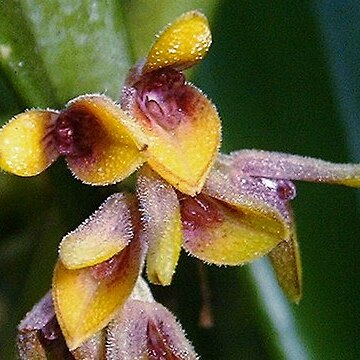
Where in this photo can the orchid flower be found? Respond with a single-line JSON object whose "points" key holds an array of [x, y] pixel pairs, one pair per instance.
{"points": [[162, 121], [242, 213], [222, 209], [143, 328], [92, 282], [91, 132]]}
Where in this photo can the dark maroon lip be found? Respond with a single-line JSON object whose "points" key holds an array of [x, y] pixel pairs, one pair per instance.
{"points": [[75, 133], [164, 98]]}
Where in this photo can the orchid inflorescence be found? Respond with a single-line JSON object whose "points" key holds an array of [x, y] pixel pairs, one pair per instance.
{"points": [[222, 209]]}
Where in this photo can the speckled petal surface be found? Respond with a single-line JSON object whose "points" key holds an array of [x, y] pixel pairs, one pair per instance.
{"points": [[269, 197], [29, 346], [92, 349], [26, 144], [113, 152], [293, 167], [147, 330], [231, 184], [28, 341], [86, 300], [236, 219], [181, 44], [217, 233], [183, 149], [101, 236], [39, 335], [162, 230], [40, 314]]}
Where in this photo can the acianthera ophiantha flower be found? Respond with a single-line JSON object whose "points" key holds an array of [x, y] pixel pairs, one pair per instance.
{"points": [[222, 209], [162, 121], [143, 329]]}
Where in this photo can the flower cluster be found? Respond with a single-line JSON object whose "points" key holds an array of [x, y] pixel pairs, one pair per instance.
{"points": [[222, 209]]}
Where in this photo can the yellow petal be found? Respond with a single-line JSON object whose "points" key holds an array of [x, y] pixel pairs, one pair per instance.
{"points": [[86, 300], [182, 44], [259, 215], [285, 259], [26, 146], [105, 151], [182, 131], [269, 197], [101, 236], [162, 226], [217, 233]]}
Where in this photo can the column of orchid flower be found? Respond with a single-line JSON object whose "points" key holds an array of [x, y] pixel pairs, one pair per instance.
{"points": [[222, 209]]}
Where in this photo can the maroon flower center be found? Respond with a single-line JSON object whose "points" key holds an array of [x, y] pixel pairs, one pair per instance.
{"points": [[76, 132], [111, 268], [163, 97], [199, 212]]}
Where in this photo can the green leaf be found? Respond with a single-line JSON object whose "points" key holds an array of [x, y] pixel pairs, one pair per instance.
{"points": [[10, 103], [64, 49], [341, 38], [82, 45], [20, 60]]}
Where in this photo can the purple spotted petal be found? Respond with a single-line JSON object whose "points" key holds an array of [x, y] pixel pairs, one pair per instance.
{"points": [[147, 330], [236, 218], [293, 167], [40, 315], [276, 193], [231, 185]]}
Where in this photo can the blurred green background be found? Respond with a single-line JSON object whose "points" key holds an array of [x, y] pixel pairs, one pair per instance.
{"points": [[285, 76]]}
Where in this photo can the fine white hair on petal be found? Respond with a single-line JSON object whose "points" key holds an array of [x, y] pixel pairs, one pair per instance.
{"points": [[131, 335], [107, 231], [294, 167]]}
